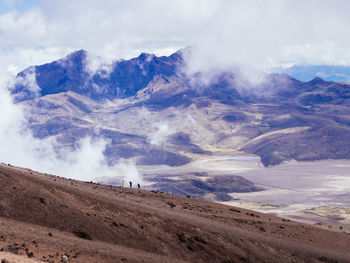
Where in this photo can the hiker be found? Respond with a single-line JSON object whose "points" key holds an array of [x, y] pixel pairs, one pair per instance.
{"points": [[130, 184], [138, 186], [122, 183]]}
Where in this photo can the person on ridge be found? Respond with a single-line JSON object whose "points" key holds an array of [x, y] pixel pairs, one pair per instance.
{"points": [[130, 184], [138, 186], [122, 183]]}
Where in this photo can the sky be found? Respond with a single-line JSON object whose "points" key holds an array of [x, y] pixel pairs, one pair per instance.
{"points": [[258, 34], [263, 33], [8, 5]]}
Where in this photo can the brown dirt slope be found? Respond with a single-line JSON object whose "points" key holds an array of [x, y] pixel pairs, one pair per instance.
{"points": [[44, 217]]}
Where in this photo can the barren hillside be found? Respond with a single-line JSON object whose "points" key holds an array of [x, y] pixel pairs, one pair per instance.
{"points": [[44, 218]]}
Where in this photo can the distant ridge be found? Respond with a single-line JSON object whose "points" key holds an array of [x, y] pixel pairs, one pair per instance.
{"points": [[326, 72]]}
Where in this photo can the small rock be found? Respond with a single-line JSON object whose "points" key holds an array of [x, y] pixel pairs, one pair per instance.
{"points": [[199, 239], [172, 205], [181, 237], [10, 249], [35, 243], [82, 234], [190, 248]]}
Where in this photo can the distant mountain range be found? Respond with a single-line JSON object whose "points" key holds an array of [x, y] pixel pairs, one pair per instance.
{"points": [[154, 113], [326, 72]]}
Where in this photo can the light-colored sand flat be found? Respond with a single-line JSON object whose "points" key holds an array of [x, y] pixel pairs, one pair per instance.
{"points": [[12, 258]]}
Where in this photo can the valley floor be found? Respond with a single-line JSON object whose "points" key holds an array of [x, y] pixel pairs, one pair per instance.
{"points": [[311, 192]]}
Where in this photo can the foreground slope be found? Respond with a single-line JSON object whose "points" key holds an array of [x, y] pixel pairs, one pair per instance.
{"points": [[45, 217]]}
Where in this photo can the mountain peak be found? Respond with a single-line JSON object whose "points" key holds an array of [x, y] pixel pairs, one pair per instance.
{"points": [[77, 55], [146, 56], [79, 52], [316, 80]]}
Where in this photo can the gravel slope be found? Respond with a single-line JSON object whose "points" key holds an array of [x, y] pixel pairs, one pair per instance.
{"points": [[44, 217]]}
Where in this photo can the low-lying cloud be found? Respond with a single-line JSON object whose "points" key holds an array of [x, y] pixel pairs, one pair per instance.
{"points": [[85, 162], [127, 171], [160, 136], [97, 64]]}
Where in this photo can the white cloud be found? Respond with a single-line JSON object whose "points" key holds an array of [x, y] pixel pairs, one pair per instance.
{"points": [[223, 31], [162, 133], [19, 147], [126, 170], [94, 64], [87, 162], [28, 80]]}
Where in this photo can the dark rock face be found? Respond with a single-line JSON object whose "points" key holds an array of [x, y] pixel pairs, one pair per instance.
{"points": [[126, 78], [220, 186], [296, 120], [64, 75]]}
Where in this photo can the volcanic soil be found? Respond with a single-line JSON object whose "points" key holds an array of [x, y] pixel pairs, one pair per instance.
{"points": [[53, 219]]}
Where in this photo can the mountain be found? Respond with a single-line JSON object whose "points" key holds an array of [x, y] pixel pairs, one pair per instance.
{"points": [[151, 111], [309, 72], [52, 219], [71, 74]]}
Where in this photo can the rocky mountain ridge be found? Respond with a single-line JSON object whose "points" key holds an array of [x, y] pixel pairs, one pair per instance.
{"points": [[129, 101]]}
